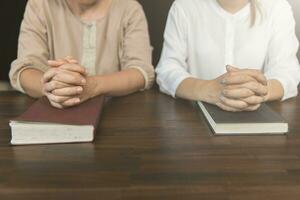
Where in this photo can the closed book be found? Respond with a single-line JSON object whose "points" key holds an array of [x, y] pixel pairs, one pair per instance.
{"points": [[262, 121], [44, 124]]}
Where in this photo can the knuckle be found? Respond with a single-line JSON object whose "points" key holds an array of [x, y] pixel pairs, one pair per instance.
{"points": [[225, 92], [77, 78], [247, 92], [53, 84], [57, 77], [242, 105], [58, 99], [46, 87], [53, 70], [255, 100], [253, 85], [54, 92], [250, 92]]}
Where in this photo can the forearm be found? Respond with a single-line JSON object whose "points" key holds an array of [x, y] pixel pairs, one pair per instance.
{"points": [[197, 90], [119, 83], [30, 80], [276, 91]]}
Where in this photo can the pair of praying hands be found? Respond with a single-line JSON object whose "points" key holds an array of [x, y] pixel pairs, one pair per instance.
{"points": [[241, 90], [66, 83]]}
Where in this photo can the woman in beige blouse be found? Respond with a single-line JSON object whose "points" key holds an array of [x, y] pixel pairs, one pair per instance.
{"points": [[73, 50]]}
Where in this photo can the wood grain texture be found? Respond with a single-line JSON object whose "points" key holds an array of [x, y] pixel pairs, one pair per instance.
{"points": [[150, 146]]}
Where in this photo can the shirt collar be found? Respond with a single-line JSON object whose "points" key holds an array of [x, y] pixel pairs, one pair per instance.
{"points": [[244, 12]]}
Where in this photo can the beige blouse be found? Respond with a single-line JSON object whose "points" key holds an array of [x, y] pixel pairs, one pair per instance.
{"points": [[118, 41]]}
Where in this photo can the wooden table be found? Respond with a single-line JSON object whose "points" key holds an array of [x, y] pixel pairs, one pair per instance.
{"points": [[150, 146]]}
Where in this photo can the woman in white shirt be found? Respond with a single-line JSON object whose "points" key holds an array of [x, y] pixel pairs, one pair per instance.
{"points": [[235, 54]]}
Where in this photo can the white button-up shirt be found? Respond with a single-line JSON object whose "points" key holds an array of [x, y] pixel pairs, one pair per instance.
{"points": [[201, 38]]}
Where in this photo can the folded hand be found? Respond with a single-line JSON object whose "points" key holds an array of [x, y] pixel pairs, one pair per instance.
{"points": [[65, 83], [243, 90]]}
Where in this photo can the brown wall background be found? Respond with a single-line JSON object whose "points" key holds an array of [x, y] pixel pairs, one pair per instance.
{"points": [[11, 14], [156, 11]]}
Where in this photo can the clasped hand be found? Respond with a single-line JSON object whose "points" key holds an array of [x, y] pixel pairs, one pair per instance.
{"points": [[66, 83], [241, 90]]}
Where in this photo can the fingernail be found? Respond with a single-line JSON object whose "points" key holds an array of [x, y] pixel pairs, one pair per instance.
{"points": [[83, 81]]}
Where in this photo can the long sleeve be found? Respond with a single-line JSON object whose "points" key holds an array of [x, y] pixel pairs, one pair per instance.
{"points": [[282, 63], [136, 51], [32, 48], [172, 68]]}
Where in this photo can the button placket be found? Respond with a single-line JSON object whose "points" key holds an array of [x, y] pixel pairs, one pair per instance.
{"points": [[229, 41], [89, 48]]}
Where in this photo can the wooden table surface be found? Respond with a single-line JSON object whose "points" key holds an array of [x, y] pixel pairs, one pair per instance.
{"points": [[150, 146]]}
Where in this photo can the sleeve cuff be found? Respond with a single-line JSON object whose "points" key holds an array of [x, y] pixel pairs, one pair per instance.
{"points": [[170, 84], [289, 88], [177, 82], [18, 82], [149, 77]]}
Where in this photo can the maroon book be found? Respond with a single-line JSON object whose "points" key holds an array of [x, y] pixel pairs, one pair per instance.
{"points": [[42, 123]]}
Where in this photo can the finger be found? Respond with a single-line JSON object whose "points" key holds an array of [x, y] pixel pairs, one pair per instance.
{"points": [[71, 102], [237, 104], [230, 68], [71, 60], [68, 91], [237, 79], [74, 68], [237, 93], [254, 74], [71, 78], [57, 99], [254, 100], [49, 75], [56, 105], [256, 87], [253, 108], [227, 108], [54, 63], [53, 85], [58, 62]]}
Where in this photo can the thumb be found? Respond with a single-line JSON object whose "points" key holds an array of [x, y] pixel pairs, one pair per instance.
{"points": [[230, 68], [55, 63], [71, 60]]}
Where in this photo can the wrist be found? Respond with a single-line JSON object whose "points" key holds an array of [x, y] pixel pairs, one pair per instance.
{"points": [[96, 86], [275, 90], [208, 91]]}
